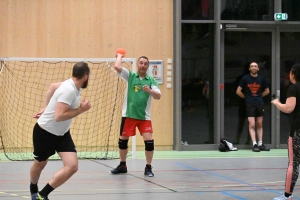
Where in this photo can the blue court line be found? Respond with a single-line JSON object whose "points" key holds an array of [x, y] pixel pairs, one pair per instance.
{"points": [[231, 179], [220, 176]]}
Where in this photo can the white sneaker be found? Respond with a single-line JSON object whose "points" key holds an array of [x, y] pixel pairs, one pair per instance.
{"points": [[282, 197]]}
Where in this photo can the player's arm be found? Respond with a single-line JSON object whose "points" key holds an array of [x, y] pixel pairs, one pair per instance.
{"points": [[63, 111], [289, 105], [239, 92], [48, 96], [154, 92], [50, 92], [265, 92], [118, 63]]}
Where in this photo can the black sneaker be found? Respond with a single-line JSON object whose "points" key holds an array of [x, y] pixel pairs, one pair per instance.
{"points": [[255, 148], [37, 196], [263, 148], [148, 172], [121, 169]]}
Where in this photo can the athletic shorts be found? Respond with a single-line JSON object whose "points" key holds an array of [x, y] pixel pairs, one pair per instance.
{"points": [[128, 126], [255, 111], [45, 144]]}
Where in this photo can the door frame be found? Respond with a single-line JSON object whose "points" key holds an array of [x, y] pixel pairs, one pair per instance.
{"points": [[286, 29], [275, 74]]}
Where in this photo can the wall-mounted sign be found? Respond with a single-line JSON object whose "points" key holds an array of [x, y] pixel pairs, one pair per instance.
{"points": [[280, 16], [156, 70]]}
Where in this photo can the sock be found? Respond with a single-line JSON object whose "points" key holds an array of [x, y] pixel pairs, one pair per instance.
{"points": [[33, 188], [259, 143], [287, 194], [148, 166], [123, 163], [254, 143], [46, 190]]}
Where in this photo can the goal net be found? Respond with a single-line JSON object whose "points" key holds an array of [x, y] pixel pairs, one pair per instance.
{"points": [[23, 84]]}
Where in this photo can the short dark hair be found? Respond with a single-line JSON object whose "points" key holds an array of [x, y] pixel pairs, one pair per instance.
{"points": [[296, 71], [144, 58], [80, 69]]}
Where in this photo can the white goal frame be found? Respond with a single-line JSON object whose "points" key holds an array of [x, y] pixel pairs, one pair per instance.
{"points": [[95, 60]]}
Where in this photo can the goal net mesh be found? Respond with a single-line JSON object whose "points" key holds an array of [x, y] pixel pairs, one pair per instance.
{"points": [[23, 85]]}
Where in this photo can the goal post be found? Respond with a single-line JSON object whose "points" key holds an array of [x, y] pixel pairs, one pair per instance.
{"points": [[23, 84]]}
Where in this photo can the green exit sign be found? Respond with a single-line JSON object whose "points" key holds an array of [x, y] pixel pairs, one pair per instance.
{"points": [[280, 16]]}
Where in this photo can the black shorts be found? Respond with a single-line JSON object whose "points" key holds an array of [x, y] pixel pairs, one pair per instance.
{"points": [[255, 111], [45, 144]]}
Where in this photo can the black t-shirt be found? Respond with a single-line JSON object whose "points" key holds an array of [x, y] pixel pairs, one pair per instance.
{"points": [[253, 88], [294, 91]]}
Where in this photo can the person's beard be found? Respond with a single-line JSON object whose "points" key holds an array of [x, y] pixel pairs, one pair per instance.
{"points": [[85, 84], [254, 74]]}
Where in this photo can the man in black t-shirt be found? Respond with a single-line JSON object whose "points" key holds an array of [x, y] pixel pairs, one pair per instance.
{"points": [[254, 88]]}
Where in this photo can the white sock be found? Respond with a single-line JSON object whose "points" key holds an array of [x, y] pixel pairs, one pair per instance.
{"points": [[254, 143], [259, 143]]}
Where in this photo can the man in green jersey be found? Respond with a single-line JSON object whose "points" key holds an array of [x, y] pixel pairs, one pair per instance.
{"points": [[136, 111]]}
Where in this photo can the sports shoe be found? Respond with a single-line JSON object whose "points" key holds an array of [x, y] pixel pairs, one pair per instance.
{"points": [[121, 169], [282, 197], [263, 148], [148, 172], [255, 148], [37, 196]]}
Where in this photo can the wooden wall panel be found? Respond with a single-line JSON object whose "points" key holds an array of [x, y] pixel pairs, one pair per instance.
{"points": [[94, 28]]}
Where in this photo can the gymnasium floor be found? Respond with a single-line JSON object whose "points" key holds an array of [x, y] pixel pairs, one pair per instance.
{"points": [[178, 175]]}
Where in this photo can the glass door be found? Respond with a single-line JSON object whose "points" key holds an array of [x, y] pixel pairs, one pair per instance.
{"points": [[240, 49]]}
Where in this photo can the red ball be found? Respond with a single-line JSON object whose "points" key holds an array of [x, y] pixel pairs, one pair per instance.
{"points": [[121, 51]]}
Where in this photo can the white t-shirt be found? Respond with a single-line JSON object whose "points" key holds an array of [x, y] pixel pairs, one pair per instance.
{"points": [[66, 93]]}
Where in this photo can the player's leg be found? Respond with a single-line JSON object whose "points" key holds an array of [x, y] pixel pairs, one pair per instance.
{"points": [[42, 150], [127, 129], [35, 173], [149, 147], [292, 173], [259, 127], [149, 152], [123, 148], [66, 149], [145, 128], [70, 162], [251, 119]]}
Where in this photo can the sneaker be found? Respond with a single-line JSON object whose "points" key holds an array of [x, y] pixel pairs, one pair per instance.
{"points": [[148, 172], [255, 148], [37, 196], [263, 148], [121, 169], [282, 197]]}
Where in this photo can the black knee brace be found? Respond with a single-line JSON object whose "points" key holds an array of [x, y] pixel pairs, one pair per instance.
{"points": [[149, 145], [123, 144]]}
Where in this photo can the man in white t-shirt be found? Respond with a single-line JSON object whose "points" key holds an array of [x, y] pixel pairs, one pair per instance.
{"points": [[51, 133]]}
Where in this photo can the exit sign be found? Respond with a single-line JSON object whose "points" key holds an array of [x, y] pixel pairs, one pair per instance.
{"points": [[280, 16]]}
